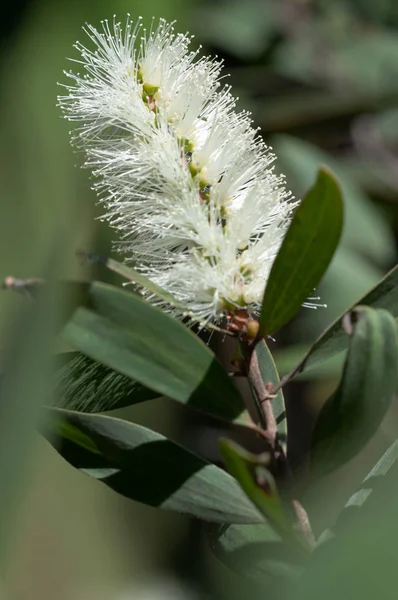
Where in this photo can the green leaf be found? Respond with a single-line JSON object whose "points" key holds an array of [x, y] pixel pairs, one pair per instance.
{"points": [[257, 552], [142, 282], [334, 339], [269, 374], [134, 277], [82, 384], [354, 412], [131, 336], [305, 254], [259, 485], [145, 466]]}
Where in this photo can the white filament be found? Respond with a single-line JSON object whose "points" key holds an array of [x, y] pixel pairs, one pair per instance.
{"points": [[184, 178]]}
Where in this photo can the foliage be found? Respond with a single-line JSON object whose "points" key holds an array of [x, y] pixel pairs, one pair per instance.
{"points": [[127, 351], [322, 83]]}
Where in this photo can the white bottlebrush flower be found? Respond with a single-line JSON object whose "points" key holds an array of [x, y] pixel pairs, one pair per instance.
{"points": [[185, 179]]}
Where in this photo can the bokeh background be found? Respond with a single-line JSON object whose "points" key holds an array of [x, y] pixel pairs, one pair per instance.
{"points": [[321, 80]]}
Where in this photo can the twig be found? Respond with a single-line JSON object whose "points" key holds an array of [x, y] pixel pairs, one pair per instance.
{"points": [[289, 376], [347, 326], [264, 396], [265, 393]]}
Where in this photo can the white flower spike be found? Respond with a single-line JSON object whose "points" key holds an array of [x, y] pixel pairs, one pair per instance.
{"points": [[185, 179]]}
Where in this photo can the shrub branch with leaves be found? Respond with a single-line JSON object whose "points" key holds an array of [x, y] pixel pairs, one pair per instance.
{"points": [[212, 238]]}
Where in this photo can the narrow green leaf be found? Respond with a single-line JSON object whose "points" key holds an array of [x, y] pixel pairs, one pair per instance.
{"points": [[334, 339], [269, 374], [143, 282], [145, 466], [257, 482], [305, 254], [354, 412], [82, 384], [133, 276], [129, 335]]}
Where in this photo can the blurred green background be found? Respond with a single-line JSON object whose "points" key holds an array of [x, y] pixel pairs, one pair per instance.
{"points": [[321, 79]]}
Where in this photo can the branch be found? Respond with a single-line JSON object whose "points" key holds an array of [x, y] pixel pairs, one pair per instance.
{"points": [[265, 393], [265, 396]]}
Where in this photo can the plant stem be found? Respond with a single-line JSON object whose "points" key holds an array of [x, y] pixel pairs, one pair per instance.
{"points": [[281, 468], [263, 395]]}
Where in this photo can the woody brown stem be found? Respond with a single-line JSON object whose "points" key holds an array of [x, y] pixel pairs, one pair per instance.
{"points": [[263, 394], [281, 469]]}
